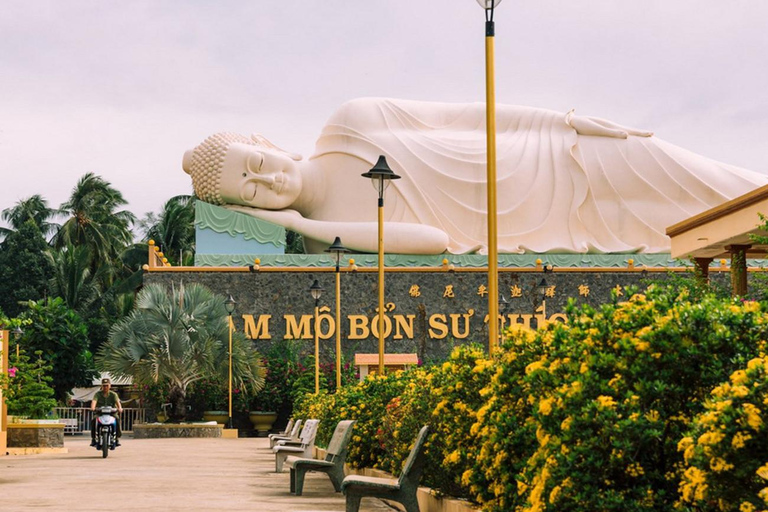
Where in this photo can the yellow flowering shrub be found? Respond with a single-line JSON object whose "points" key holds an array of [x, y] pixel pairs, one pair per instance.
{"points": [[364, 402], [726, 450], [587, 416]]}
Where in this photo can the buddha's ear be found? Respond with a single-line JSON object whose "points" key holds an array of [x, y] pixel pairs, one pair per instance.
{"points": [[263, 141]]}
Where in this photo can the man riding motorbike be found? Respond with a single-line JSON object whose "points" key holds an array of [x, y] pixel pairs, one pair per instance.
{"points": [[106, 398]]}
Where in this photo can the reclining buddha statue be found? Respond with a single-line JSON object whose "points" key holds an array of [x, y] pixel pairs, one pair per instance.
{"points": [[565, 183]]}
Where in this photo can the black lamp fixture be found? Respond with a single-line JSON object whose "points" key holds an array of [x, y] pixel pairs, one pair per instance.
{"points": [[541, 288], [380, 175], [17, 332], [230, 304], [337, 249], [316, 290]]}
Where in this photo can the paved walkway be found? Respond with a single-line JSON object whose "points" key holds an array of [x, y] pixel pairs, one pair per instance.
{"points": [[162, 474]]}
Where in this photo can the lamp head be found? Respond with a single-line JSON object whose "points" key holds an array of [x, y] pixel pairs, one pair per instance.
{"points": [[541, 288], [17, 332], [380, 175], [489, 4], [230, 304], [337, 248], [316, 290]]}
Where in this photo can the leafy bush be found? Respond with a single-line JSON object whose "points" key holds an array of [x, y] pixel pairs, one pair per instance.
{"points": [[366, 403], [448, 398], [29, 391], [608, 399], [726, 451]]}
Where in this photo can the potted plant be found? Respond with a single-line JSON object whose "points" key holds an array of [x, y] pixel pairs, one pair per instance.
{"points": [[211, 396], [262, 410], [30, 395]]}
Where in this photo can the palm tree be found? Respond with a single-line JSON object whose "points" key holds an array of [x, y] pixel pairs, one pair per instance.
{"points": [[73, 280], [178, 337], [33, 208], [95, 220], [174, 229]]}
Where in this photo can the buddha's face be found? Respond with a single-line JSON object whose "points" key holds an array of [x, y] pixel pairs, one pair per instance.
{"points": [[259, 177]]}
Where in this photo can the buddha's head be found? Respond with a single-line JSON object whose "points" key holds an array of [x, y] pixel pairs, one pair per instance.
{"points": [[228, 168]]}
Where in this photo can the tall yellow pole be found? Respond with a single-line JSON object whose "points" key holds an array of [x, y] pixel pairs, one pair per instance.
{"points": [[230, 370], [317, 352], [338, 328], [381, 286], [493, 272]]}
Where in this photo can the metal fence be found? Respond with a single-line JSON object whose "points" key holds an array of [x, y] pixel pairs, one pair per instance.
{"points": [[83, 415]]}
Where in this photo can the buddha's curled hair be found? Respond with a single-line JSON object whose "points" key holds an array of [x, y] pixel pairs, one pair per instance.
{"points": [[204, 164]]}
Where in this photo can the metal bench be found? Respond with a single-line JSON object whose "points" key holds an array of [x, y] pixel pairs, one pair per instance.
{"points": [[332, 465], [402, 490], [302, 448]]}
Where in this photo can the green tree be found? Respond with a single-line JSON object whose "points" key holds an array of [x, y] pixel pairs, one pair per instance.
{"points": [[29, 390], [24, 268], [34, 208], [96, 221], [178, 337], [61, 334], [73, 280], [174, 229]]}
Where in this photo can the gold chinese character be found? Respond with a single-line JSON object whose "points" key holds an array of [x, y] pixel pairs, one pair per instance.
{"points": [[414, 291], [482, 290], [618, 291], [584, 290], [515, 291], [550, 292], [448, 291]]}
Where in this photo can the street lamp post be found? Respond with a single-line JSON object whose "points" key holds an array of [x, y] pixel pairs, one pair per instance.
{"points": [[490, 127], [316, 290], [337, 249], [230, 305], [380, 176], [17, 332]]}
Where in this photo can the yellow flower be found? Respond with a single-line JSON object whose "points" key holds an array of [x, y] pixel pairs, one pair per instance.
{"points": [[652, 415], [762, 472], [753, 416], [719, 465], [739, 439], [566, 424], [606, 401], [466, 477], [534, 366], [755, 363], [739, 377], [635, 469], [553, 495], [710, 438], [453, 458], [545, 406], [642, 346], [746, 507]]}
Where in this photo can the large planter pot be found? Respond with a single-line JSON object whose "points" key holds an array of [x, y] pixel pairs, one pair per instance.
{"points": [[219, 417], [162, 417], [262, 421]]}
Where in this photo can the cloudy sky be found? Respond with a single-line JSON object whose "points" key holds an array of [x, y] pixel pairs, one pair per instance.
{"points": [[122, 89]]}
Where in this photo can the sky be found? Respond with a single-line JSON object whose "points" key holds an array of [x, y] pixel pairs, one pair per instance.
{"points": [[122, 89]]}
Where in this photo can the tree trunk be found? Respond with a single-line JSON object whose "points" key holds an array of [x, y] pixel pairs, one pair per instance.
{"points": [[177, 398]]}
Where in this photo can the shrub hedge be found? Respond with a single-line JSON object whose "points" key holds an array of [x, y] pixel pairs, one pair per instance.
{"points": [[583, 416]]}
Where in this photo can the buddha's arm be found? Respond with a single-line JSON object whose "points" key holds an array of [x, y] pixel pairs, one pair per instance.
{"points": [[585, 125], [399, 237]]}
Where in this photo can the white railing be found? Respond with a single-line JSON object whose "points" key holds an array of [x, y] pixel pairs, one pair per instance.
{"points": [[83, 415]]}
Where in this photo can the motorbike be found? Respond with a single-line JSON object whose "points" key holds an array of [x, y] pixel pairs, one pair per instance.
{"points": [[106, 430]]}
